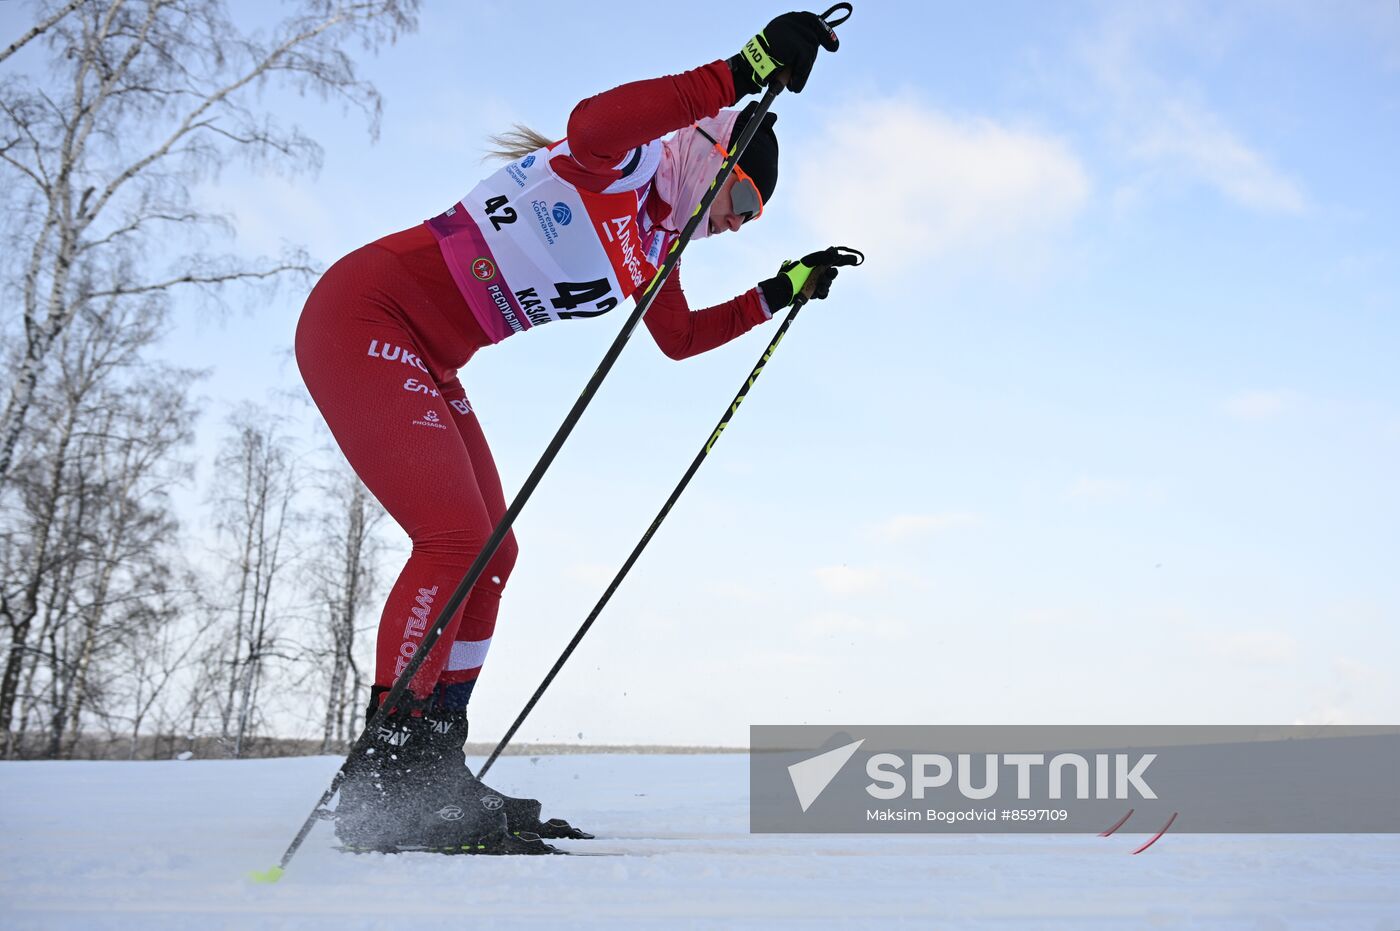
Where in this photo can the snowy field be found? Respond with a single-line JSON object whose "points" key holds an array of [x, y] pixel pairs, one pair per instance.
{"points": [[166, 845]]}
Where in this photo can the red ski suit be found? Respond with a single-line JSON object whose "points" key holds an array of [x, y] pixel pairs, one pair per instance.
{"points": [[379, 344]]}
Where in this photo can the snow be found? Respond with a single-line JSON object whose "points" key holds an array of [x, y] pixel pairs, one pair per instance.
{"points": [[164, 845]]}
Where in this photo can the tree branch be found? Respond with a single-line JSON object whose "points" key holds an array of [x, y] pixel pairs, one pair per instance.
{"points": [[136, 224], [40, 28], [194, 117], [202, 280]]}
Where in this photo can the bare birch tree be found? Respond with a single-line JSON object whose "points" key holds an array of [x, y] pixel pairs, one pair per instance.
{"points": [[91, 527], [256, 478], [145, 98], [157, 639], [346, 553]]}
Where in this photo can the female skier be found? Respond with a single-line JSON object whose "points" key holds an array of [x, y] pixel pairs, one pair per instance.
{"points": [[566, 229]]}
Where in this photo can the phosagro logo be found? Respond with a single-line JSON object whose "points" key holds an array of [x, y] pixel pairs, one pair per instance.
{"points": [[977, 776], [430, 418]]}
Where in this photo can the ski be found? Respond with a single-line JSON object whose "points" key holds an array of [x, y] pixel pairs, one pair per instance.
{"points": [[550, 829], [481, 850]]}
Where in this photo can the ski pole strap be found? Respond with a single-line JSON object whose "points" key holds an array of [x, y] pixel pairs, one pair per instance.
{"points": [[828, 16]]}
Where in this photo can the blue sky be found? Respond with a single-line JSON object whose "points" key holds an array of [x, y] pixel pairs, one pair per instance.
{"points": [[1105, 431]]}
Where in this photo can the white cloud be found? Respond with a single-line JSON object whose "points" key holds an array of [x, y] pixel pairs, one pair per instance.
{"points": [[908, 184], [1162, 123], [903, 527], [1256, 405], [847, 580], [1186, 137]]}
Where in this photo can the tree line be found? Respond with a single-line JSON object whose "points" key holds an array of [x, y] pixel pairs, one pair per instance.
{"points": [[123, 631]]}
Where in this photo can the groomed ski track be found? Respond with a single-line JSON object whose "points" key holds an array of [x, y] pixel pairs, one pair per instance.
{"points": [[167, 845]]}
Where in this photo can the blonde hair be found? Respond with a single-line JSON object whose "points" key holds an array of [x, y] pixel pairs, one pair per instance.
{"points": [[516, 142]]}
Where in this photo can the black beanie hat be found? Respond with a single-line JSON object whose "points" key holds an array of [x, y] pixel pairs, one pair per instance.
{"points": [[760, 159]]}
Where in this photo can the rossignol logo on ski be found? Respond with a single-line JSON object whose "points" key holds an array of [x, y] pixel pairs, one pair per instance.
{"points": [[450, 813], [492, 802]]}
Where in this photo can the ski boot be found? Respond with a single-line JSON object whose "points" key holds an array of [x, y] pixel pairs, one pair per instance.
{"points": [[402, 795], [448, 732]]}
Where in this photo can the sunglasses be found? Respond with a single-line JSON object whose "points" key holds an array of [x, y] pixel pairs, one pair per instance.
{"points": [[744, 195]]}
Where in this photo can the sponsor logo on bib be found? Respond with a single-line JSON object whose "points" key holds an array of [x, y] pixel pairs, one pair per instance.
{"points": [[546, 220], [658, 239], [484, 269], [562, 214]]}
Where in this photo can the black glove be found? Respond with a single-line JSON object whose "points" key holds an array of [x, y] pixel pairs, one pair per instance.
{"points": [[816, 269], [790, 41]]}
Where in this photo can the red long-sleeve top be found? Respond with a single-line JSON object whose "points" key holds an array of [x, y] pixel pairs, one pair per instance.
{"points": [[601, 131]]}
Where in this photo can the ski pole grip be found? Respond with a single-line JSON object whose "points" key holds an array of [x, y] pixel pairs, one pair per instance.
{"points": [[855, 256], [838, 8]]}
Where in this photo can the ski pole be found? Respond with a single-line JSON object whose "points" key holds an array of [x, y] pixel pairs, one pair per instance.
{"points": [[695, 464], [488, 550]]}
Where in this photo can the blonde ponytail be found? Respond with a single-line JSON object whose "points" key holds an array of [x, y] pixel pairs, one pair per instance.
{"points": [[516, 142]]}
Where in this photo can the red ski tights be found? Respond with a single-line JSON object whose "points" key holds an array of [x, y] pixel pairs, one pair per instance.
{"points": [[379, 343]]}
